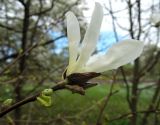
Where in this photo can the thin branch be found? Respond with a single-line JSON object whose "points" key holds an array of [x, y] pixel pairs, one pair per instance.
{"points": [[44, 11], [111, 93], [130, 18], [152, 103], [15, 55], [60, 85], [127, 86], [10, 28], [149, 66], [139, 19], [131, 113], [117, 39], [104, 106], [27, 51]]}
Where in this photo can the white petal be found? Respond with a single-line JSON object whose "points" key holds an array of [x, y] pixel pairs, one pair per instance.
{"points": [[119, 54], [91, 36], [73, 33]]}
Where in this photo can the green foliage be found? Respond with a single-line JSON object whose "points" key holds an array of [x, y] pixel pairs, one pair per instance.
{"points": [[44, 17], [75, 108], [41, 64], [7, 102]]}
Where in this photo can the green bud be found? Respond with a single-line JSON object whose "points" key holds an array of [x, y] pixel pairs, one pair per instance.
{"points": [[45, 98], [47, 92]]}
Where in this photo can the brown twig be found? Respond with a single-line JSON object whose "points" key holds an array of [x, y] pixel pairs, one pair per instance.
{"points": [[131, 113], [60, 85], [104, 106], [111, 92], [26, 52]]}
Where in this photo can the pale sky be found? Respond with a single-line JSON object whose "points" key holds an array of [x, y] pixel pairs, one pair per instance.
{"points": [[107, 35], [116, 6]]}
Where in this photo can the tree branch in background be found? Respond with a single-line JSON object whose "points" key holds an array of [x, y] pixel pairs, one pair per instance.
{"points": [[26, 52], [106, 100], [15, 55], [128, 115], [22, 62], [117, 39], [152, 105], [9, 28], [60, 85]]}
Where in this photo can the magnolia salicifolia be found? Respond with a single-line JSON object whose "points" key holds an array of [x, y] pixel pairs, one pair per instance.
{"points": [[83, 64]]}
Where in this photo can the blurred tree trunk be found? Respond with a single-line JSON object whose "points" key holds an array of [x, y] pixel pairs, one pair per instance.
{"points": [[136, 68], [134, 93], [22, 62]]}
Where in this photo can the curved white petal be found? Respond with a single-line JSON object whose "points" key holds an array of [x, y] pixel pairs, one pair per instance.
{"points": [[119, 54], [73, 33], [91, 36]]}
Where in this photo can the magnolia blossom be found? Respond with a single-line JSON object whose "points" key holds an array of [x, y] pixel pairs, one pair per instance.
{"points": [[81, 58]]}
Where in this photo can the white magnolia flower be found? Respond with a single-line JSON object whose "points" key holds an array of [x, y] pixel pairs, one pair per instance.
{"points": [[81, 58]]}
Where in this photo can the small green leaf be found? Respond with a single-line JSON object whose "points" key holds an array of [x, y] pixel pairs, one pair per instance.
{"points": [[45, 98]]}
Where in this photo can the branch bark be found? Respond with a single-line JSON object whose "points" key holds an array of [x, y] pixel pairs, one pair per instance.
{"points": [[60, 85]]}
